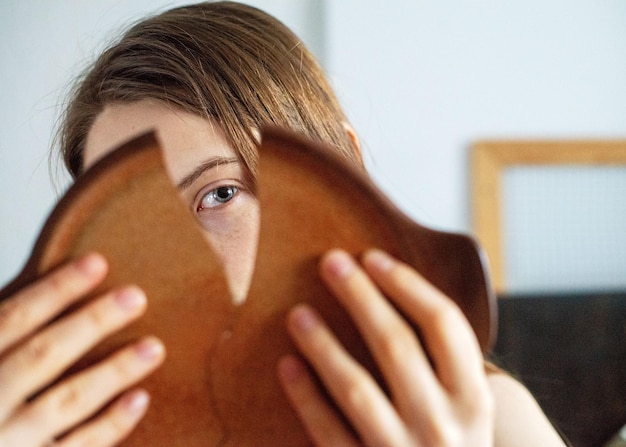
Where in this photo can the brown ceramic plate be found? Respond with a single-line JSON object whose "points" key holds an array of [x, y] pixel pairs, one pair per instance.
{"points": [[218, 385]]}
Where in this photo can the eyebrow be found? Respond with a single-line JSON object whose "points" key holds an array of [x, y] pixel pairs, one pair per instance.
{"points": [[206, 165]]}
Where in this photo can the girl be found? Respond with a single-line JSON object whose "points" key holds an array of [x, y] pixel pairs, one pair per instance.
{"points": [[207, 77]]}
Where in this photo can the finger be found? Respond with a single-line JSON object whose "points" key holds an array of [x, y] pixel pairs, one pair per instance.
{"points": [[324, 426], [114, 425], [81, 396], [41, 359], [38, 303], [351, 386], [447, 334], [391, 340]]}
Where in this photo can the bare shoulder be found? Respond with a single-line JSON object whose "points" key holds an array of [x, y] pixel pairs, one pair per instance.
{"points": [[519, 419]]}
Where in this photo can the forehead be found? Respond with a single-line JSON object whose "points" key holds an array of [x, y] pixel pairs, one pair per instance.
{"points": [[187, 139]]}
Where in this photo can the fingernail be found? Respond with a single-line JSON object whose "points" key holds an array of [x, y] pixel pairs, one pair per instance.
{"points": [[339, 263], [137, 402], [149, 349], [379, 260], [303, 318], [91, 264], [130, 298]]}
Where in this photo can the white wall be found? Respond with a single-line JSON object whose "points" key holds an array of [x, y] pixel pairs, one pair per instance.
{"points": [[44, 45], [420, 81], [424, 79]]}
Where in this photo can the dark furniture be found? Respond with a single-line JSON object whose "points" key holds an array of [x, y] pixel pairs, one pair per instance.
{"points": [[570, 351]]}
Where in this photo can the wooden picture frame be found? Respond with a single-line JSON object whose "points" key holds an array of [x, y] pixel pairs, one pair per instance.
{"points": [[490, 159]]}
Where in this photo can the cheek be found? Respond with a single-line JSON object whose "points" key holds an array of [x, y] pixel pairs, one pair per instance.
{"points": [[234, 237]]}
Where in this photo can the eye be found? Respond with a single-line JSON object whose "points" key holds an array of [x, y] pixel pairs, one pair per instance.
{"points": [[217, 197]]}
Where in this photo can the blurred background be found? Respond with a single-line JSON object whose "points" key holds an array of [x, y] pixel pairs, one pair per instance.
{"points": [[421, 82]]}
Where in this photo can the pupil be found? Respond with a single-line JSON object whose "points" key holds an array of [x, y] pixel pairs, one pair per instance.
{"points": [[223, 193]]}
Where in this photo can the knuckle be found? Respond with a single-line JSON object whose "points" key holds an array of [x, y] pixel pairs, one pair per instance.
{"points": [[97, 315], [438, 433], [38, 350], [124, 368], [120, 424], [56, 283], [107, 431], [354, 394], [450, 436], [453, 425], [402, 274], [6, 311], [446, 316], [355, 391], [91, 439], [65, 283], [70, 396], [397, 341], [31, 416], [480, 401], [13, 315]]}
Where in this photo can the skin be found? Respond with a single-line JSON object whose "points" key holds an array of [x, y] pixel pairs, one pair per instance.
{"points": [[450, 404], [33, 355]]}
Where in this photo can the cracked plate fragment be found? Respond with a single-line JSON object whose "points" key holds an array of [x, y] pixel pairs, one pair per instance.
{"points": [[218, 385]]}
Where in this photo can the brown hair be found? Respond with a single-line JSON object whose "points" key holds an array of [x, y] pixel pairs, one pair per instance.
{"points": [[223, 60]]}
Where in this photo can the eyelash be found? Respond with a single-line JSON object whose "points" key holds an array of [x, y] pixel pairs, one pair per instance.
{"points": [[216, 198]]}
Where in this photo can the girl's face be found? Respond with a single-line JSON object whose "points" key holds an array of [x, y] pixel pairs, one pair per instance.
{"points": [[206, 170]]}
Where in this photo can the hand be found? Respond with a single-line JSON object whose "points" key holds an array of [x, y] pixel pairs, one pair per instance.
{"points": [[446, 404], [38, 410]]}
